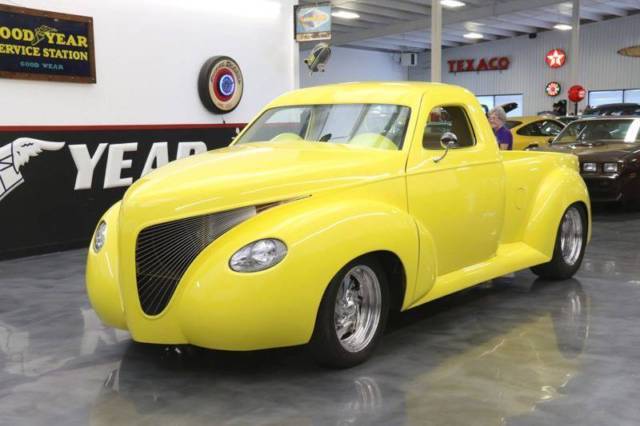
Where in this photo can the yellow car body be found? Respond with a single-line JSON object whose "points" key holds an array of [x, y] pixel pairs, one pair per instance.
{"points": [[533, 130], [477, 214]]}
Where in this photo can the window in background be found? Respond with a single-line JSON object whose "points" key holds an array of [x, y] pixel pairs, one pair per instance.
{"points": [[632, 95], [486, 100], [495, 100], [506, 99], [602, 97]]}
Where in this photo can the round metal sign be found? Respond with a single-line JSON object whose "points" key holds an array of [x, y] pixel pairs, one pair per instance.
{"points": [[553, 89], [577, 93], [220, 84], [555, 58]]}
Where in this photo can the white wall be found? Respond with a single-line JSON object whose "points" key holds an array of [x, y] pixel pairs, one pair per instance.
{"points": [[601, 67], [148, 55], [354, 65]]}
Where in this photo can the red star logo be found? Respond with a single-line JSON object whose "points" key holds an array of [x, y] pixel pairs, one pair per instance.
{"points": [[555, 58]]}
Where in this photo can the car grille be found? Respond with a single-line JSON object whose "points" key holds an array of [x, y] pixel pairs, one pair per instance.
{"points": [[165, 251]]}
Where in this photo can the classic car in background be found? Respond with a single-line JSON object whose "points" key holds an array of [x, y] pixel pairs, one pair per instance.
{"points": [[609, 153], [533, 130], [566, 119], [334, 206], [618, 109]]}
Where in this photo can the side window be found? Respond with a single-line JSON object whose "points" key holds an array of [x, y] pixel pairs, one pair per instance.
{"points": [[550, 128], [530, 130], [447, 119]]}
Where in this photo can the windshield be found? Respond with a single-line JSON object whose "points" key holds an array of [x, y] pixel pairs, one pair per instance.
{"points": [[372, 125], [601, 131]]}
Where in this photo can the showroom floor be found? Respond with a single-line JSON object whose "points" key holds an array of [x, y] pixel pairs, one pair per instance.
{"points": [[513, 351]]}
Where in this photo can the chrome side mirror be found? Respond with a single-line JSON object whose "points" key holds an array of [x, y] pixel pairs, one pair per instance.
{"points": [[448, 140]]}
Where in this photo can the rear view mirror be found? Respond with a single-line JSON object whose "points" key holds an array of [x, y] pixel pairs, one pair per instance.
{"points": [[449, 140]]}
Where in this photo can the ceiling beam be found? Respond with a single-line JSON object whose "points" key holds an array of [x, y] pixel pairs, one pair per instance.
{"points": [[604, 9], [522, 18], [375, 10], [406, 7], [470, 14], [510, 25]]}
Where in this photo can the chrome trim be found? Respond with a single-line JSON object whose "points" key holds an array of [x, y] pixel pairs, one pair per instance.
{"points": [[571, 235], [358, 308]]}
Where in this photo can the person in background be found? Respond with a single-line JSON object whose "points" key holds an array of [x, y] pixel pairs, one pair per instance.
{"points": [[497, 118]]}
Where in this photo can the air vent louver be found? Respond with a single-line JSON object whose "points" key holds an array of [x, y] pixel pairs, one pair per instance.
{"points": [[165, 251]]}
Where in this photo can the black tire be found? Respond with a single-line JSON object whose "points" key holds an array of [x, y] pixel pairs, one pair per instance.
{"points": [[325, 344], [558, 268]]}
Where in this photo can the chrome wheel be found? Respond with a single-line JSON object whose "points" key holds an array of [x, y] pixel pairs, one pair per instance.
{"points": [[358, 308], [571, 235]]}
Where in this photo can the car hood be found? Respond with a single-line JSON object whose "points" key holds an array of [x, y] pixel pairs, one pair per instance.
{"points": [[253, 174], [597, 151]]}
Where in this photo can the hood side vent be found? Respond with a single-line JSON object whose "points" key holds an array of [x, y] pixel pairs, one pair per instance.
{"points": [[165, 251]]}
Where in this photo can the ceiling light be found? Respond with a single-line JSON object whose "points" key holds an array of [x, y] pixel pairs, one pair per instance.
{"points": [[562, 27], [474, 36], [344, 14], [452, 4]]}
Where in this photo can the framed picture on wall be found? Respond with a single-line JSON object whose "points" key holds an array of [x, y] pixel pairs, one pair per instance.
{"points": [[44, 45], [312, 23]]}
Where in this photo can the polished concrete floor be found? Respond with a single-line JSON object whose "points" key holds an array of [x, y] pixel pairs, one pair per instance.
{"points": [[513, 351]]}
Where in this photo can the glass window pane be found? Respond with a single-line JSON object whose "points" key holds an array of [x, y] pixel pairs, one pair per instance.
{"points": [[486, 100], [447, 119], [506, 99], [632, 96], [601, 97]]}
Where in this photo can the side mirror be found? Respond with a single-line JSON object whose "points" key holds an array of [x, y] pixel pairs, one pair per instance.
{"points": [[532, 146], [550, 140], [448, 140]]}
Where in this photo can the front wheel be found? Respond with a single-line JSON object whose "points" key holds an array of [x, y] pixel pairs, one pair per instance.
{"points": [[352, 314], [568, 252]]}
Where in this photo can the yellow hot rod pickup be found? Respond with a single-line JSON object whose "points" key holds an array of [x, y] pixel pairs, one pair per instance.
{"points": [[334, 206]]}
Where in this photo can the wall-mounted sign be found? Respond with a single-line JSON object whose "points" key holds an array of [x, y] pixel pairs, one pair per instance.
{"points": [[553, 89], [42, 45], [312, 22], [63, 178], [576, 93], [555, 58], [633, 51], [469, 65], [220, 84]]}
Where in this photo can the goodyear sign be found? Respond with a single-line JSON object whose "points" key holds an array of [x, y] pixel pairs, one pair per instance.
{"points": [[41, 45]]}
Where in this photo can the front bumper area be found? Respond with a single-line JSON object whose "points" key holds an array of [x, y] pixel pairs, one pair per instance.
{"points": [[604, 188], [213, 306]]}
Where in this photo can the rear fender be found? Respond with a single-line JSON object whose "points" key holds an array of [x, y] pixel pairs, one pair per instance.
{"points": [[561, 188]]}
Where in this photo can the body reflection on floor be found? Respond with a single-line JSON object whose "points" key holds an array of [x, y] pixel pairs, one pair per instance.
{"points": [[498, 367], [512, 351]]}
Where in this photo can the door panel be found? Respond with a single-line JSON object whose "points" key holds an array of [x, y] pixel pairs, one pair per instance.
{"points": [[458, 202]]}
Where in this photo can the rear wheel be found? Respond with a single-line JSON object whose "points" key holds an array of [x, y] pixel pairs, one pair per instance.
{"points": [[568, 252], [352, 314]]}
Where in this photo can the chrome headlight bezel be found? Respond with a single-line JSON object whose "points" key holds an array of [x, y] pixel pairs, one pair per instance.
{"points": [[589, 167], [100, 236], [610, 167], [259, 255]]}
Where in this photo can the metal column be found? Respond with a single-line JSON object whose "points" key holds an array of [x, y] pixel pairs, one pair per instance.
{"points": [[574, 55], [436, 41]]}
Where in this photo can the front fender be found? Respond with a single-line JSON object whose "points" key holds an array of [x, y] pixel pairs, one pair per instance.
{"points": [[219, 308], [102, 283], [559, 189]]}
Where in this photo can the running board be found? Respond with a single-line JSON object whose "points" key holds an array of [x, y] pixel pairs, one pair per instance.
{"points": [[509, 258]]}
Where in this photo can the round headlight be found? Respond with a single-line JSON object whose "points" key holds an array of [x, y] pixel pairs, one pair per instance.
{"points": [[258, 255], [101, 236]]}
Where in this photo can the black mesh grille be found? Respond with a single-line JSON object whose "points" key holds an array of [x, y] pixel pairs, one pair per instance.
{"points": [[165, 251]]}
